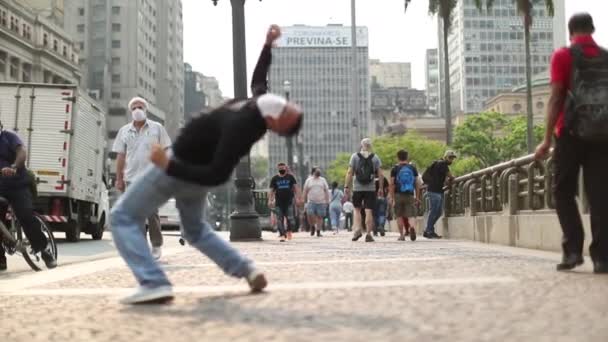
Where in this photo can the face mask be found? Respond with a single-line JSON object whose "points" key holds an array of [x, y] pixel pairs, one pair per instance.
{"points": [[317, 174], [282, 172], [138, 114]]}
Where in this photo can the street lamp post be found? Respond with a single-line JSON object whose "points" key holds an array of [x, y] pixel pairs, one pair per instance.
{"points": [[245, 223], [289, 140]]}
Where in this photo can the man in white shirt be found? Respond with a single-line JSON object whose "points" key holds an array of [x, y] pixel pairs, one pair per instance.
{"points": [[316, 193], [348, 209], [133, 147]]}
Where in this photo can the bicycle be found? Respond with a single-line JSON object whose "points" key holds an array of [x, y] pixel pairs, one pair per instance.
{"points": [[14, 241]]}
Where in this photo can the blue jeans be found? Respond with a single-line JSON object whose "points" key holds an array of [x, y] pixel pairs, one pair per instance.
{"points": [[283, 213], [151, 190], [335, 210], [435, 211]]}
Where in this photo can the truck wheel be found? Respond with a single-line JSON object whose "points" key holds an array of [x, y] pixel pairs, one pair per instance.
{"points": [[72, 234], [99, 229]]}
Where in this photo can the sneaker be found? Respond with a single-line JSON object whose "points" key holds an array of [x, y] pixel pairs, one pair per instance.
{"points": [[319, 233], [289, 235], [48, 257], [150, 295], [357, 236], [412, 234], [312, 232], [157, 252], [401, 238], [3, 264], [570, 261], [282, 238], [432, 235], [375, 233], [369, 238], [257, 281]]}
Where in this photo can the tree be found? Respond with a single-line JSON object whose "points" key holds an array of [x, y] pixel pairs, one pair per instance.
{"points": [[524, 8], [259, 171], [493, 137]]}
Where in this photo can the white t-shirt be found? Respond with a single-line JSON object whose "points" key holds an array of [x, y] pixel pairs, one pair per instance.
{"points": [[348, 207], [317, 190]]}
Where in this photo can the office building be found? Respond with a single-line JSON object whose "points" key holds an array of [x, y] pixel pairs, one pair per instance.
{"points": [[34, 49], [432, 80], [317, 63], [391, 105], [487, 51], [389, 75], [194, 97], [49, 9], [130, 48]]}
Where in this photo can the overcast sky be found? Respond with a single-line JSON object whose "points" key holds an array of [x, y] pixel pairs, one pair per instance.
{"points": [[394, 36]]}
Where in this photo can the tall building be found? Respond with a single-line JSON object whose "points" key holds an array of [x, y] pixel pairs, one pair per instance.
{"points": [[130, 48], [487, 52], [432, 80], [391, 105], [49, 9], [194, 97], [389, 75], [317, 63], [211, 88], [34, 49]]}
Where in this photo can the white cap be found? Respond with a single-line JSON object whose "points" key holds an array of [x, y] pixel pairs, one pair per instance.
{"points": [[271, 105], [138, 99]]}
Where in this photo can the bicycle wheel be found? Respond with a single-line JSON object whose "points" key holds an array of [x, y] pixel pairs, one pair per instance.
{"points": [[34, 260]]}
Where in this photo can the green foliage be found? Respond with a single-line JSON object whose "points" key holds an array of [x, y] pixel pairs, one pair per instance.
{"points": [[259, 171], [337, 169], [493, 137]]}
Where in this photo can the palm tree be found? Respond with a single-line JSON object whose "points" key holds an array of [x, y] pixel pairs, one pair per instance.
{"points": [[444, 9], [524, 8]]}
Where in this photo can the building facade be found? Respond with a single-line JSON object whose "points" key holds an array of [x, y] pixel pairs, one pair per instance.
{"points": [[49, 9], [194, 97], [390, 75], [318, 64], [432, 80], [34, 49], [392, 105], [125, 53], [487, 52], [211, 88]]}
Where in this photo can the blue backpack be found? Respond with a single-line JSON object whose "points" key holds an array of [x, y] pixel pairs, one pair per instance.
{"points": [[405, 179]]}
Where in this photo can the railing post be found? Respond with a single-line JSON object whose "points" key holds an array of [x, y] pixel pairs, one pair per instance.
{"points": [[473, 199], [513, 192]]}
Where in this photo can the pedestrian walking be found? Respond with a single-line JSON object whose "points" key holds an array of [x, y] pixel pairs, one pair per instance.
{"points": [[132, 145], [382, 208], [284, 191], [348, 209], [335, 207], [405, 195], [435, 177], [578, 121], [364, 167], [316, 194]]}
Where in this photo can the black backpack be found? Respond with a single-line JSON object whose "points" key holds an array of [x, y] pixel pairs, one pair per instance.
{"points": [[366, 171], [586, 114], [427, 176]]}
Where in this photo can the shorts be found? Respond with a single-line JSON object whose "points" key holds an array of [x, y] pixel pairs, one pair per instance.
{"points": [[317, 209], [405, 205], [364, 199]]}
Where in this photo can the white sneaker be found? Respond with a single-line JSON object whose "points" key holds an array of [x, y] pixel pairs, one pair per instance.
{"points": [[157, 252], [257, 281], [150, 295]]}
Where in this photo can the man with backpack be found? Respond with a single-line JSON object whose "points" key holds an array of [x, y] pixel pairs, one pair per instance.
{"points": [[435, 177], [577, 117], [365, 167], [404, 194]]}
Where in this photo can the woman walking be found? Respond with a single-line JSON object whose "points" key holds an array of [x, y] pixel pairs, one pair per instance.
{"points": [[335, 207]]}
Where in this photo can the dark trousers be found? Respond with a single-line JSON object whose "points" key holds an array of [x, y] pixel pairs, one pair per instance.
{"points": [[284, 213], [569, 156], [20, 200], [348, 221]]}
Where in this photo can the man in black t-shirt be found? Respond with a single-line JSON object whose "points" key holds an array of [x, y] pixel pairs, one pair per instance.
{"points": [[435, 178], [283, 189]]}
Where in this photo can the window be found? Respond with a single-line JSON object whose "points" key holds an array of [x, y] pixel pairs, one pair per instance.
{"points": [[80, 28], [116, 44], [26, 73], [81, 45], [116, 78], [15, 24], [115, 10], [3, 57], [65, 51], [3, 16], [115, 61], [116, 95], [115, 27], [517, 107], [45, 39], [117, 111], [55, 45], [81, 11], [14, 67]]}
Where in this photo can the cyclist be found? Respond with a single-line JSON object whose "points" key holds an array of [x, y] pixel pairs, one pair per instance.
{"points": [[15, 188]]}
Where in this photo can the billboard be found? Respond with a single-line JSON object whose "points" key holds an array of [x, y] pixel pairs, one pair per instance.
{"points": [[321, 36]]}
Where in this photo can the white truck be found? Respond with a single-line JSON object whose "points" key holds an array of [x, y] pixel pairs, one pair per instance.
{"points": [[63, 130]]}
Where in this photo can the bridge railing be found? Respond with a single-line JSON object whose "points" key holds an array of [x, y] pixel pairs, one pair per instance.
{"points": [[522, 184]]}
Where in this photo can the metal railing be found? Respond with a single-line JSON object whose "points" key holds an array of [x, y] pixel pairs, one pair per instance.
{"points": [[522, 184]]}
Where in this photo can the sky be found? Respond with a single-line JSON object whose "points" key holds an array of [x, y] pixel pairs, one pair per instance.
{"points": [[394, 35]]}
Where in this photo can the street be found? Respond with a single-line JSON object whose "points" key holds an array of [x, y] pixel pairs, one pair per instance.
{"points": [[321, 289]]}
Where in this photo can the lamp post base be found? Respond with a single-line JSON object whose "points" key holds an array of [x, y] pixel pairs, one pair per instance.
{"points": [[245, 227]]}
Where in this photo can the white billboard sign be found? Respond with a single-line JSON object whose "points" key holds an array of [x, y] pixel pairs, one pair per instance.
{"points": [[325, 36]]}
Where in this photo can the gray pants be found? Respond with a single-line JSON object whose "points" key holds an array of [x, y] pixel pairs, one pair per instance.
{"points": [[154, 227]]}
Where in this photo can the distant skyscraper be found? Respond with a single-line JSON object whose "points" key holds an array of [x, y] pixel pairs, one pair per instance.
{"points": [[432, 80], [390, 75], [317, 62], [129, 49], [487, 53]]}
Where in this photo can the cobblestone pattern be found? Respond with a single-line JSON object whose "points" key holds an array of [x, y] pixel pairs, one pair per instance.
{"points": [[541, 305]]}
